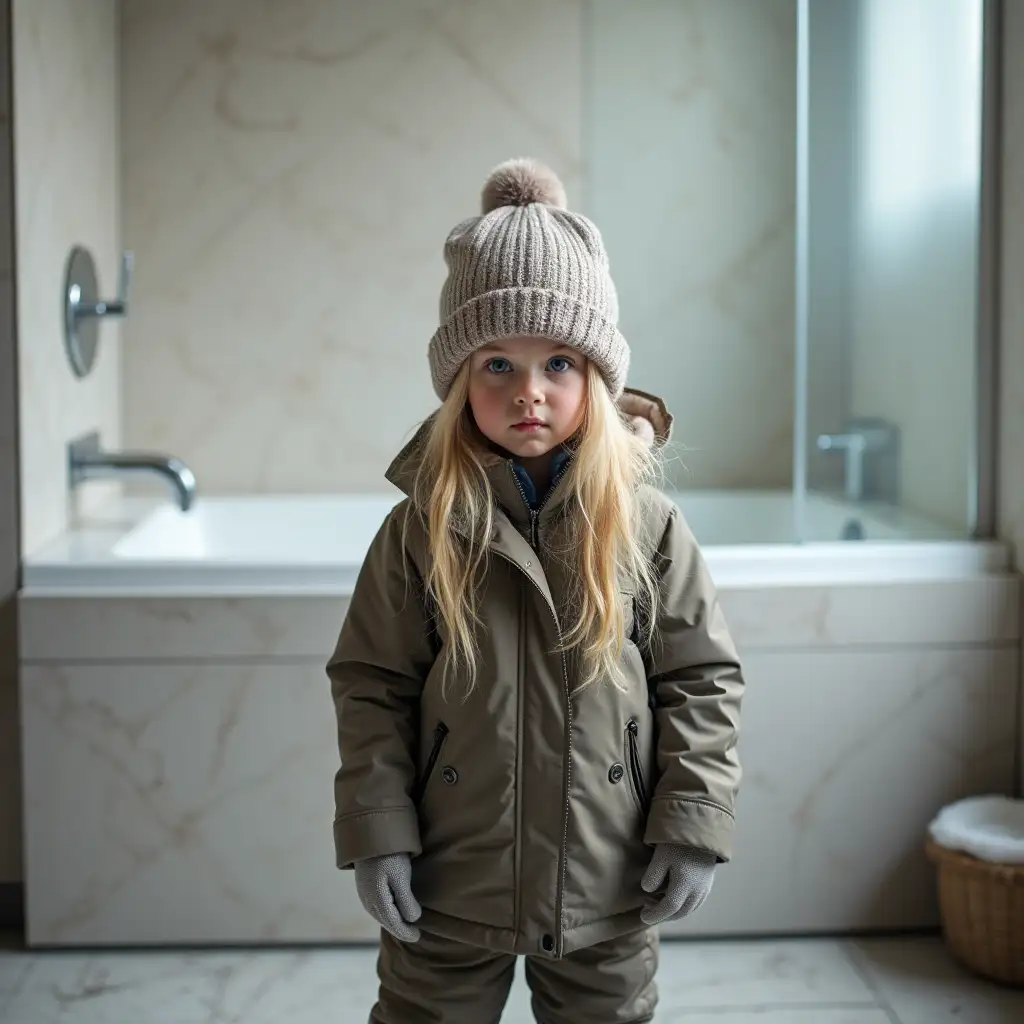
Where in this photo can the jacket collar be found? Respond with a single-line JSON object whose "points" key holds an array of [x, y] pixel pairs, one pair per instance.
{"points": [[534, 500]]}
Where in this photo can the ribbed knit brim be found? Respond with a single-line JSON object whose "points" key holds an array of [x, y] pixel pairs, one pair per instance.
{"points": [[528, 312]]}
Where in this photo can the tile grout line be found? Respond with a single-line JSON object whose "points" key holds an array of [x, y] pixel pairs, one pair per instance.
{"points": [[861, 969], [759, 1008]]}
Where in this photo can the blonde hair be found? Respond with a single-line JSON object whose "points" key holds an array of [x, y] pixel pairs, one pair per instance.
{"points": [[608, 481]]}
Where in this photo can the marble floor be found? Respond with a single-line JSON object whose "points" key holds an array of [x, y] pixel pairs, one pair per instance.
{"points": [[878, 981]]}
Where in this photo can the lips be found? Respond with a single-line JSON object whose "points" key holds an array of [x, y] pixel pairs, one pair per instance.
{"points": [[528, 426]]}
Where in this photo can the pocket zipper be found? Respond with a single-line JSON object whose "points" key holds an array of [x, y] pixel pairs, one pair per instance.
{"points": [[440, 735], [635, 769]]}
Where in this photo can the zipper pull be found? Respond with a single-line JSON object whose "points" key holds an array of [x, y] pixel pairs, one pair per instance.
{"points": [[533, 530]]}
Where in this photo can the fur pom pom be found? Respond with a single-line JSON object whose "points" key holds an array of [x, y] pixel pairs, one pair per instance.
{"points": [[520, 183]]}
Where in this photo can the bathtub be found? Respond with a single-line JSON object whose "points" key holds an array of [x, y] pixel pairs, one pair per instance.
{"points": [[315, 544]]}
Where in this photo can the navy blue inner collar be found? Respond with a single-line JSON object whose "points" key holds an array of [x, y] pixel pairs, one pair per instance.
{"points": [[558, 466]]}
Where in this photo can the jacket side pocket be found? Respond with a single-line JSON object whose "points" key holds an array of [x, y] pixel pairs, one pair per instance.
{"points": [[636, 769], [440, 735]]}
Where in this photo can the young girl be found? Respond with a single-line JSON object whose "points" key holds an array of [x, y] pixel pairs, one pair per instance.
{"points": [[536, 693]]}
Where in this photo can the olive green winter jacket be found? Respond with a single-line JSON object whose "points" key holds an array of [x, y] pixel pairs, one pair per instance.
{"points": [[530, 810]]}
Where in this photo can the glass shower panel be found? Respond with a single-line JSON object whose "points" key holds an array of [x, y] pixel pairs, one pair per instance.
{"points": [[889, 191]]}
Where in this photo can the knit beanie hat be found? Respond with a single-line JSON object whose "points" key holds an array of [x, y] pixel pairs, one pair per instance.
{"points": [[527, 267]]}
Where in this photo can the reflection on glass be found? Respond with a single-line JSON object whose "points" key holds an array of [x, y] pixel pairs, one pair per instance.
{"points": [[893, 169]]}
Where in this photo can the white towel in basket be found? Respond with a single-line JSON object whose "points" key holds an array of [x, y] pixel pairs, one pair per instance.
{"points": [[987, 827]]}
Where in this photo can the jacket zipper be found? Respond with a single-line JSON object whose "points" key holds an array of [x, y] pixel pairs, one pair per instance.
{"points": [[534, 541], [559, 945], [520, 681], [535, 512], [440, 735], [635, 767]]}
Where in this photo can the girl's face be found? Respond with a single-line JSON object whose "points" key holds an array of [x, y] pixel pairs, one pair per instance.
{"points": [[527, 394]]}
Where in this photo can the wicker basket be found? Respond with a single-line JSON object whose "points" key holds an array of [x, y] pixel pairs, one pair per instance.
{"points": [[982, 906]]}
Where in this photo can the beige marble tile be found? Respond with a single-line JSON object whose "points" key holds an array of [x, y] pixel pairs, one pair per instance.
{"points": [[199, 801], [774, 982], [779, 1015], [189, 629], [67, 193], [847, 756], [741, 976], [923, 985], [288, 185], [690, 172], [946, 611], [198, 817], [982, 611], [302, 986]]}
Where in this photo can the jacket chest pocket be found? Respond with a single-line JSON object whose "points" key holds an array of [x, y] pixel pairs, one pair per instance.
{"points": [[436, 747]]}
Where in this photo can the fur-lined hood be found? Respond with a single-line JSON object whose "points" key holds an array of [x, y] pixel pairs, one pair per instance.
{"points": [[648, 416]]}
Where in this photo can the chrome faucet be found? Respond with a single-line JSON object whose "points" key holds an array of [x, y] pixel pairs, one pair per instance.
{"points": [[88, 461], [870, 448]]}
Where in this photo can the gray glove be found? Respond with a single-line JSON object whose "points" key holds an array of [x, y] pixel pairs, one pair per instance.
{"points": [[690, 873], [385, 891]]}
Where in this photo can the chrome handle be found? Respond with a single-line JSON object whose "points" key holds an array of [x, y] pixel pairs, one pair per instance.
{"points": [[853, 447], [855, 443], [111, 307]]}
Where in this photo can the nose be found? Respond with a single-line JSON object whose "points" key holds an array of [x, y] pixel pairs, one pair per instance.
{"points": [[530, 391]]}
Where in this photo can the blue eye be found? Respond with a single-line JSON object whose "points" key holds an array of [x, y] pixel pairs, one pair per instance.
{"points": [[559, 364], [498, 365]]}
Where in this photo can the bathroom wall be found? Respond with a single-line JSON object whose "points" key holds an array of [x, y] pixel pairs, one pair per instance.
{"points": [[290, 176], [690, 172], [66, 192], [10, 741]]}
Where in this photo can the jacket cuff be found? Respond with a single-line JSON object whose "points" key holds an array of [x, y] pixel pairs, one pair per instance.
{"points": [[368, 834], [690, 823]]}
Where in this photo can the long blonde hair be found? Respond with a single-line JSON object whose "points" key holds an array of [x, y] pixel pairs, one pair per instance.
{"points": [[608, 482]]}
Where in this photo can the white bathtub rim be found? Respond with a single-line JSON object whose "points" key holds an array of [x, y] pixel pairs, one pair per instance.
{"points": [[79, 563], [731, 566]]}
